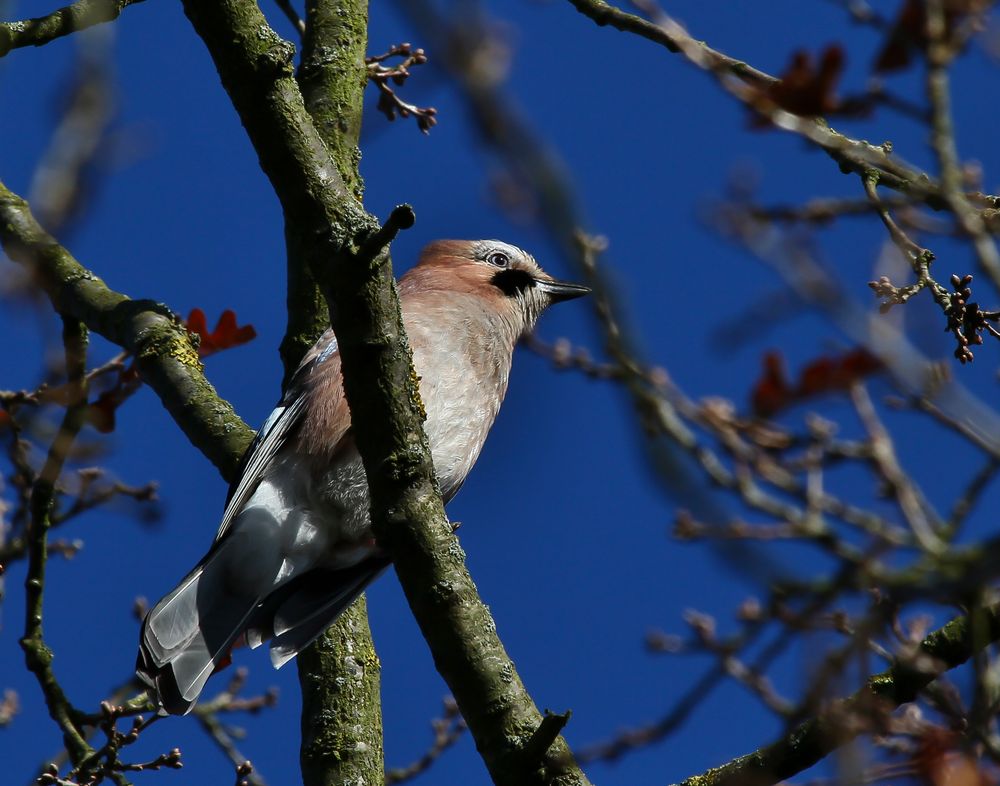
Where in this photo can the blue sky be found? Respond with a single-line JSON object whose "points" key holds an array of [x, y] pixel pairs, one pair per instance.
{"points": [[574, 578]]}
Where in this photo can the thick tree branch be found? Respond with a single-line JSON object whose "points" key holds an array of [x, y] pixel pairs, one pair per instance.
{"points": [[807, 743], [78, 16], [255, 66], [340, 673], [381, 387], [323, 220], [341, 704], [164, 355], [331, 77], [409, 521]]}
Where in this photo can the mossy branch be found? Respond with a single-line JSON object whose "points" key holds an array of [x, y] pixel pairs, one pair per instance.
{"points": [[381, 386], [164, 354], [409, 521], [340, 673], [77, 16]]}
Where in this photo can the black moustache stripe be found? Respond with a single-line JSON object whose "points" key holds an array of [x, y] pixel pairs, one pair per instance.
{"points": [[513, 282]]}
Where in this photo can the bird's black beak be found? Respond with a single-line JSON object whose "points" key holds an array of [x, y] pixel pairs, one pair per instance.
{"points": [[562, 290]]}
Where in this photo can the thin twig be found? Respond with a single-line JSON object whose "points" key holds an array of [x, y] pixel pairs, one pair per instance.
{"points": [[746, 85], [448, 729], [923, 521], [940, 53], [38, 656]]}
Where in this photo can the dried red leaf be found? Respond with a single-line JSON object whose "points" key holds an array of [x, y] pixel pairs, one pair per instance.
{"points": [[860, 363], [908, 35], [805, 89], [227, 333], [196, 323], [772, 393], [101, 412], [827, 374], [831, 374], [819, 376], [5, 420]]}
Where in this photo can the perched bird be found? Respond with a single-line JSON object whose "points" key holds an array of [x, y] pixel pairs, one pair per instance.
{"points": [[295, 546]]}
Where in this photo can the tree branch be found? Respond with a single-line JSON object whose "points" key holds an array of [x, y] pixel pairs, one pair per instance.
{"points": [[323, 217], [745, 84], [341, 704], [410, 523], [381, 387], [340, 673], [807, 743], [939, 57], [78, 16], [332, 78], [157, 339], [37, 655], [603, 14]]}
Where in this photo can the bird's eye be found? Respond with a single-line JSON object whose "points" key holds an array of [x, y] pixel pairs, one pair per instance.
{"points": [[498, 259]]}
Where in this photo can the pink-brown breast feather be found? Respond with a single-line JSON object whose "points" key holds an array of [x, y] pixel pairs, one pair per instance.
{"points": [[327, 421], [445, 271]]}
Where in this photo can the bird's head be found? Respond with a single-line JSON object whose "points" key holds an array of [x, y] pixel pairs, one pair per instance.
{"points": [[506, 277]]}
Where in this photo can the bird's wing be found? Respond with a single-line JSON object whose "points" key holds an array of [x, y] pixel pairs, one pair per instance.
{"points": [[279, 427]]}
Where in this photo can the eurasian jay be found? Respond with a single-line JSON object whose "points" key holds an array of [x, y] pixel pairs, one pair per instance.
{"points": [[295, 546]]}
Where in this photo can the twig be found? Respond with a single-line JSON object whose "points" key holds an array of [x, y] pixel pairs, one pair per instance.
{"points": [[228, 701], [923, 521], [448, 729], [809, 742], [666, 415], [538, 744], [65, 176], [218, 733], [910, 249], [825, 209], [16, 547], [939, 55], [389, 103], [972, 494], [694, 697], [862, 13], [606, 14], [10, 706], [38, 657], [852, 154]]}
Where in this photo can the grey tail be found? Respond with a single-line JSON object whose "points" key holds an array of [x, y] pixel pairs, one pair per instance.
{"points": [[189, 632], [313, 603], [187, 636]]}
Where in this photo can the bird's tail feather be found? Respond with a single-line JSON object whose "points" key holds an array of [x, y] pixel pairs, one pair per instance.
{"points": [[187, 634], [315, 605]]}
